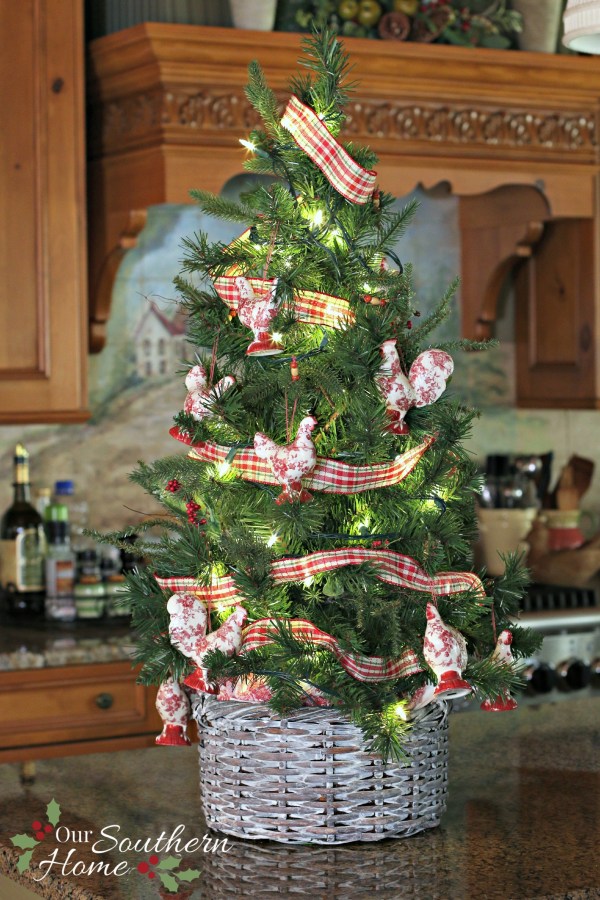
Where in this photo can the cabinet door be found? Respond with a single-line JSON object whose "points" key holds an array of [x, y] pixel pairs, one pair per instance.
{"points": [[555, 319], [43, 309]]}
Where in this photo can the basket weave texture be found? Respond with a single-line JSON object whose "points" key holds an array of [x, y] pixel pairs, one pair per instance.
{"points": [[308, 778]]}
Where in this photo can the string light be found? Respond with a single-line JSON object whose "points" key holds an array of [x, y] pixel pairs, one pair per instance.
{"points": [[222, 469], [248, 145], [272, 540]]}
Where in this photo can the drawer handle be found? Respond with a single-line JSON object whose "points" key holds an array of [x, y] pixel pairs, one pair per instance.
{"points": [[105, 701]]}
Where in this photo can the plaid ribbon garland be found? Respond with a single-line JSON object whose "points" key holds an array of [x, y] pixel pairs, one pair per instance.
{"points": [[311, 307], [362, 668], [392, 568], [328, 475], [312, 136]]}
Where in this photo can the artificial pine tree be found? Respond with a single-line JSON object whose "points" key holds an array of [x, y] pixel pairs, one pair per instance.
{"points": [[316, 547]]}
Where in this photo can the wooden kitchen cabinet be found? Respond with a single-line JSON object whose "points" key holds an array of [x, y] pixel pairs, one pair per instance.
{"points": [[513, 135], [43, 281], [67, 710]]}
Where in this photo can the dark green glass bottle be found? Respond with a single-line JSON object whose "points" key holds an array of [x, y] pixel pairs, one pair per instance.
{"points": [[22, 548]]}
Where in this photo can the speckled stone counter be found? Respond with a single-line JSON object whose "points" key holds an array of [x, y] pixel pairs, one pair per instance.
{"points": [[45, 644], [523, 823]]}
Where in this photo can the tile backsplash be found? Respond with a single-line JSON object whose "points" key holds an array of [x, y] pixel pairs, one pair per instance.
{"points": [[136, 382]]}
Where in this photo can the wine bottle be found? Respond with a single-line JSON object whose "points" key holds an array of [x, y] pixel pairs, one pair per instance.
{"points": [[22, 547]]}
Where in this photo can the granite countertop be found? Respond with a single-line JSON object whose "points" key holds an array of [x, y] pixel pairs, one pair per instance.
{"points": [[523, 823], [42, 644]]}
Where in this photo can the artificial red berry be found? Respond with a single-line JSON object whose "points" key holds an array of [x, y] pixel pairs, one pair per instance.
{"points": [[409, 325], [36, 826], [143, 867], [173, 485], [202, 522], [153, 859]]}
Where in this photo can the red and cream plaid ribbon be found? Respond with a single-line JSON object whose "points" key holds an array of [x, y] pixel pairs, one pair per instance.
{"points": [[312, 136], [312, 307], [392, 568], [363, 668], [328, 475]]}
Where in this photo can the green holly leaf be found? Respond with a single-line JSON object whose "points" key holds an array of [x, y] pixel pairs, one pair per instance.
{"points": [[189, 874], [53, 812], [24, 860], [169, 862], [168, 882], [24, 841]]}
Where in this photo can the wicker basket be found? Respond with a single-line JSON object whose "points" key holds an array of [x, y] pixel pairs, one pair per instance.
{"points": [[308, 778]]}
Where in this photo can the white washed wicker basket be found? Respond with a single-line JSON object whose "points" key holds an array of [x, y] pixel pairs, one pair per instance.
{"points": [[308, 779]]}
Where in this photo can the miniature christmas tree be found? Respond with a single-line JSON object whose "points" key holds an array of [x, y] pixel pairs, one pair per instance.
{"points": [[316, 547]]}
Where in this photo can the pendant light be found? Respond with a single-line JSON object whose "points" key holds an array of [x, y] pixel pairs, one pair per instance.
{"points": [[582, 26]]}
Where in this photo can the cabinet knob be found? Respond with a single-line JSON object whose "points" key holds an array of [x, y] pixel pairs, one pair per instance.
{"points": [[105, 701]]}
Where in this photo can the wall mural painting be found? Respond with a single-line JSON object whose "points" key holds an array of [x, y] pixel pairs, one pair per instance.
{"points": [[136, 383]]}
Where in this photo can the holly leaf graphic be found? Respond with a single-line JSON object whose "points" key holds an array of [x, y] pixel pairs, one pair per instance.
{"points": [[189, 874], [53, 812], [24, 841], [169, 862], [168, 881], [24, 860]]}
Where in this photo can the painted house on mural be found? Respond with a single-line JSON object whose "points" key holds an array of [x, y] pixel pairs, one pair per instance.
{"points": [[160, 343]]}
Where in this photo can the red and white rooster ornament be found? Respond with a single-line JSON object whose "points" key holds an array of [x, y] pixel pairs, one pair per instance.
{"points": [[502, 652], [292, 462], [445, 651], [173, 707], [257, 313], [187, 629], [200, 398], [426, 382]]}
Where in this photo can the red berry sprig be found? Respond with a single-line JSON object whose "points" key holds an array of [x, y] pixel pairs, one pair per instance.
{"points": [[192, 509], [173, 485]]}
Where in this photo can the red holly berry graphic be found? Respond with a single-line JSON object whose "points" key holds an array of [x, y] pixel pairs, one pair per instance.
{"points": [[48, 829], [151, 874], [153, 859], [40, 835], [36, 826], [143, 867]]}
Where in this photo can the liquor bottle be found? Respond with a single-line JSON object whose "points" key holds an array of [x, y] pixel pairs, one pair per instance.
{"points": [[22, 547]]}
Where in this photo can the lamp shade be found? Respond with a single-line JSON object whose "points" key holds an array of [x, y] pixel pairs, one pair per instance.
{"points": [[582, 26]]}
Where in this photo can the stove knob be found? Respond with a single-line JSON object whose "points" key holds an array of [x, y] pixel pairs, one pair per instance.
{"points": [[573, 675], [541, 679]]}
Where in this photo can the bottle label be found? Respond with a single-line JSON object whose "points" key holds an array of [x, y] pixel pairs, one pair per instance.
{"points": [[22, 561], [60, 577]]}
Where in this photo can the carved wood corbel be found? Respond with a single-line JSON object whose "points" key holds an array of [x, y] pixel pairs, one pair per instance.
{"points": [[497, 230], [102, 287]]}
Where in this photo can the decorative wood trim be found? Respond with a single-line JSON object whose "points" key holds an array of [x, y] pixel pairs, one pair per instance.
{"points": [[167, 109]]}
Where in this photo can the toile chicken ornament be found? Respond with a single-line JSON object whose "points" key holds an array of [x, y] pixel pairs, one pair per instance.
{"points": [[187, 630], [292, 462], [173, 707], [257, 313], [200, 398], [445, 651], [502, 652], [426, 382]]}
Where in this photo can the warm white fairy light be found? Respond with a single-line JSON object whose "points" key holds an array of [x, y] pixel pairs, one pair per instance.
{"points": [[317, 217], [248, 145], [401, 711], [272, 540], [223, 468], [277, 336]]}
